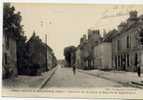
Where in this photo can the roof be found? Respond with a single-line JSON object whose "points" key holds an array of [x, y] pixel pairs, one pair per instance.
{"points": [[128, 27], [34, 37]]}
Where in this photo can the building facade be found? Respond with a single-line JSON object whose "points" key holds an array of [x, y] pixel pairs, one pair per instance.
{"points": [[119, 49], [126, 47], [94, 37], [85, 52], [103, 56], [78, 57]]}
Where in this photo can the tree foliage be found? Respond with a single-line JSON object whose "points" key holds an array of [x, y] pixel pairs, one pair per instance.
{"points": [[69, 53], [11, 21], [12, 28]]}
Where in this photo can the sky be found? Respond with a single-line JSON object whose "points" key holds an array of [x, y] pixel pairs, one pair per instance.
{"points": [[65, 24]]}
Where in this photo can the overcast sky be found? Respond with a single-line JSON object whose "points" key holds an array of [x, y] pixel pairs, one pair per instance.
{"points": [[65, 24]]}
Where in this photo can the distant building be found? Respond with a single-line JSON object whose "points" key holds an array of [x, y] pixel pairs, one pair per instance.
{"points": [[9, 62], [85, 52], [94, 37], [78, 57], [51, 59]]}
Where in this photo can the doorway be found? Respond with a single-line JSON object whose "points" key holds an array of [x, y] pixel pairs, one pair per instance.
{"points": [[136, 61]]}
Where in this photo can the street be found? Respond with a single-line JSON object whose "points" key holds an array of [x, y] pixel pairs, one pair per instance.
{"points": [[64, 77]]}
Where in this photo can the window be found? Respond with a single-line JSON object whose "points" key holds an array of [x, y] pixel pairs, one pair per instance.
{"points": [[6, 59], [118, 60], [127, 41], [128, 60], [118, 45]]}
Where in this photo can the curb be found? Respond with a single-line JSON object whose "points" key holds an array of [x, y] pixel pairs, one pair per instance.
{"points": [[49, 76], [100, 76], [137, 84]]}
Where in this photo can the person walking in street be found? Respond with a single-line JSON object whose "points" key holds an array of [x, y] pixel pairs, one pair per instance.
{"points": [[73, 58], [138, 70], [74, 69]]}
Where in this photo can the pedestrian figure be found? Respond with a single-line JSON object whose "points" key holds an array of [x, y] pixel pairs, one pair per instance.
{"points": [[74, 70], [73, 62], [138, 70]]}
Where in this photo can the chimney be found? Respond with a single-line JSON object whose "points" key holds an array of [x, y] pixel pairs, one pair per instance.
{"points": [[133, 14]]}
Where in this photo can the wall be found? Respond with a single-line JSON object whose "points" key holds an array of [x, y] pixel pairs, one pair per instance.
{"points": [[103, 56], [128, 55], [78, 59], [9, 68]]}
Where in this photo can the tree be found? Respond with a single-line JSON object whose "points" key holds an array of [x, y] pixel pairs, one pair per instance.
{"points": [[12, 21], [12, 28], [69, 53], [22, 54]]}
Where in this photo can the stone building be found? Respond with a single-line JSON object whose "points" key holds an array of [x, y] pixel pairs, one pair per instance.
{"points": [[103, 52], [103, 56], [9, 61], [127, 50], [80, 53], [78, 57], [85, 52], [85, 56], [94, 37]]}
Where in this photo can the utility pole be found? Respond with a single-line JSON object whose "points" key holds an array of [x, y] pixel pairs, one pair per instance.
{"points": [[46, 55]]}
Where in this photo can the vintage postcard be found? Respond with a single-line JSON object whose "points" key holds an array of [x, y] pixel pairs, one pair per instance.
{"points": [[72, 50]]}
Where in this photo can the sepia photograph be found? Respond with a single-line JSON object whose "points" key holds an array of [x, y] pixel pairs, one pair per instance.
{"points": [[72, 50]]}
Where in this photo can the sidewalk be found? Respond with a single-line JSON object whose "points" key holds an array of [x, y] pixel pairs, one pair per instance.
{"points": [[24, 81], [117, 76]]}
